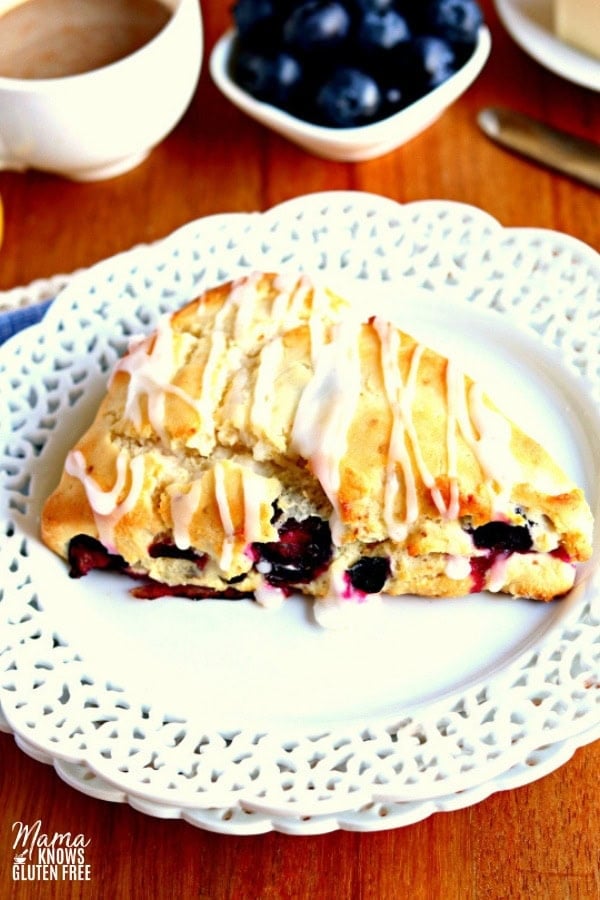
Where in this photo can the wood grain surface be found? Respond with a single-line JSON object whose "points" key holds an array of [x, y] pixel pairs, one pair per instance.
{"points": [[539, 841]]}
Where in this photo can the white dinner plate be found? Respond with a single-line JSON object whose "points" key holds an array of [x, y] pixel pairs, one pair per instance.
{"points": [[529, 22], [197, 709]]}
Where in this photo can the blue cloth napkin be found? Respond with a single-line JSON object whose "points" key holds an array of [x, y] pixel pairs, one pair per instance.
{"points": [[15, 320]]}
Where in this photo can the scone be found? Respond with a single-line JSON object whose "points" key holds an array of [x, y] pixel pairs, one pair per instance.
{"points": [[265, 440]]}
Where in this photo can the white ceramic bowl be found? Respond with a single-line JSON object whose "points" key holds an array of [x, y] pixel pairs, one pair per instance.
{"points": [[351, 144], [103, 122]]}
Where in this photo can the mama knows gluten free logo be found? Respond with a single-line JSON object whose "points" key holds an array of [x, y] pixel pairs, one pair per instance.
{"points": [[40, 856]]}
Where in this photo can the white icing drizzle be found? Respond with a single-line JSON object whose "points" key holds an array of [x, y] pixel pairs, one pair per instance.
{"points": [[340, 608], [280, 307], [183, 506], [299, 297], [406, 405], [253, 501], [225, 515], [270, 359], [316, 324], [150, 371], [102, 502], [487, 433], [242, 300], [496, 574], [150, 362], [458, 567], [453, 508], [397, 450], [204, 438], [290, 299], [493, 447], [323, 417], [268, 596], [106, 509], [325, 412]]}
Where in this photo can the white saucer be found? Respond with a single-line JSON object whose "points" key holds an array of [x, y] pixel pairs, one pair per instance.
{"points": [[529, 23]]}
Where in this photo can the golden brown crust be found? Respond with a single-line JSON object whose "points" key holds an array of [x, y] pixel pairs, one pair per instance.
{"points": [[201, 425]]}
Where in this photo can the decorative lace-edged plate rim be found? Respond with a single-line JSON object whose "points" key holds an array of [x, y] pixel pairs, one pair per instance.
{"points": [[498, 727], [246, 819]]}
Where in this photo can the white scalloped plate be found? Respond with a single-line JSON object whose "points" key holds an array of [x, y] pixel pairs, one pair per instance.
{"points": [[242, 819], [235, 717]]}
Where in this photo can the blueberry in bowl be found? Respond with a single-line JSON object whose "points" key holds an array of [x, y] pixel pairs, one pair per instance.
{"points": [[349, 79], [316, 27], [458, 21], [273, 77], [349, 97]]}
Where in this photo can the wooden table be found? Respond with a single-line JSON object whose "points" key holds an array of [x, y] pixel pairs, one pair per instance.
{"points": [[540, 841]]}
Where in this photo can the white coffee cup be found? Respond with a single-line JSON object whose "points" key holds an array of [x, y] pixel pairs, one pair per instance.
{"points": [[103, 122]]}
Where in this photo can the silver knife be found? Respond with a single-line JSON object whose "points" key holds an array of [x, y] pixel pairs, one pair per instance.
{"points": [[557, 149]]}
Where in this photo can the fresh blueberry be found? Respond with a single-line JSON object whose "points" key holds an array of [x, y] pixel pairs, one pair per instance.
{"points": [[455, 20], [503, 537], [381, 38], [346, 63], [369, 574], [317, 25], [378, 6], [254, 18], [272, 78], [423, 64], [380, 31], [348, 98]]}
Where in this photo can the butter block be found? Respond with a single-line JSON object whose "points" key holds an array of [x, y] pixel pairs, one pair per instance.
{"points": [[577, 22]]}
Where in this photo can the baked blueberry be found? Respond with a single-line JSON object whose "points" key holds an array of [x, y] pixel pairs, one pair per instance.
{"points": [[168, 550], [86, 553], [302, 552], [503, 537], [369, 574], [152, 590]]}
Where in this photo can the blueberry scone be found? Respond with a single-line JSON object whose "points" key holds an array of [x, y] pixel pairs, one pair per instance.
{"points": [[265, 440]]}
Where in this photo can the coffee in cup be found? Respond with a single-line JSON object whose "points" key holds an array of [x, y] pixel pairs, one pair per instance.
{"points": [[58, 38]]}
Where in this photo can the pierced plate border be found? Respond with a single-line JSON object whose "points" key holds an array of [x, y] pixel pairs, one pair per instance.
{"points": [[519, 721]]}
